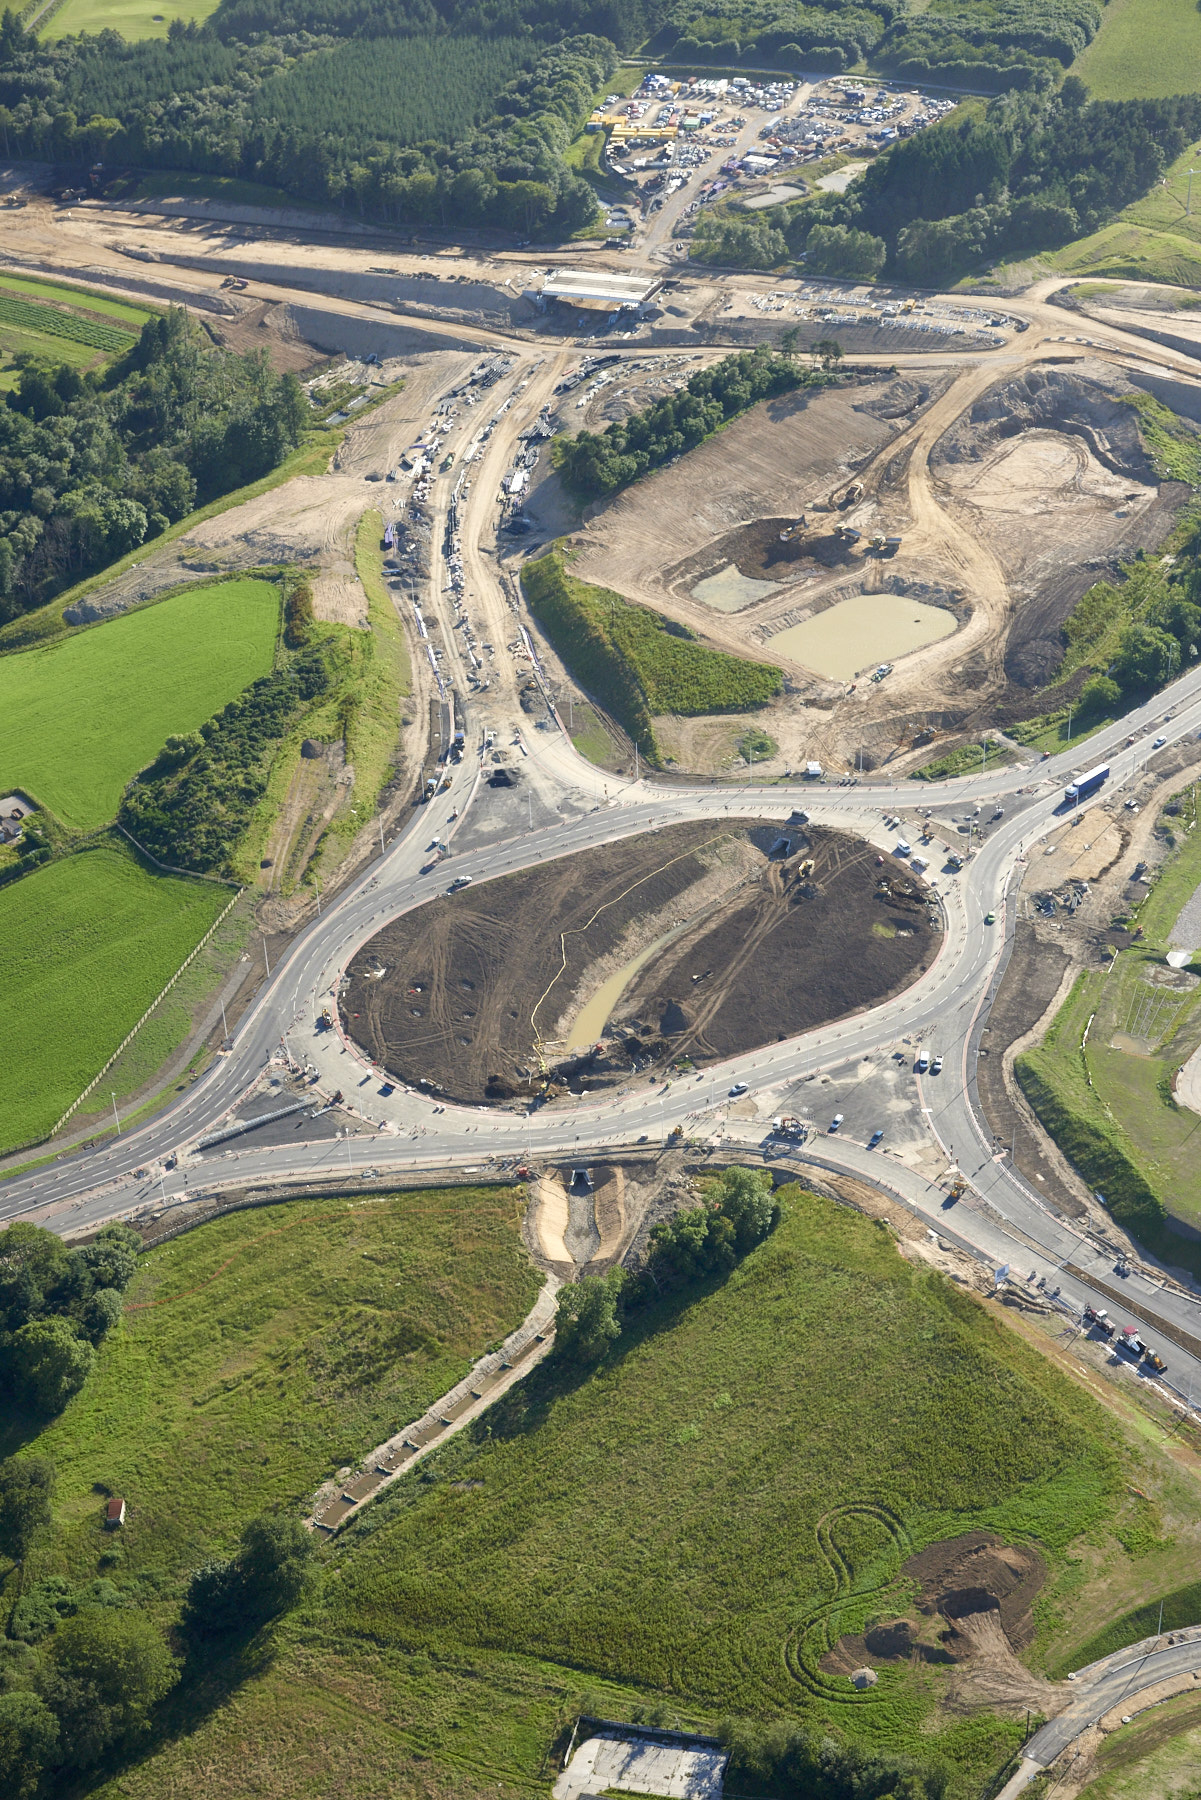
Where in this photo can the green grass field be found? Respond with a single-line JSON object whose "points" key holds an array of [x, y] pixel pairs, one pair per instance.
{"points": [[86, 298], [1156, 1755], [1144, 49], [670, 1528], [81, 338], [1157, 238], [85, 945], [79, 718], [1116, 1091], [132, 18], [262, 1352]]}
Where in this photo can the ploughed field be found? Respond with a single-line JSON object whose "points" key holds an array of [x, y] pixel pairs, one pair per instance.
{"points": [[699, 942]]}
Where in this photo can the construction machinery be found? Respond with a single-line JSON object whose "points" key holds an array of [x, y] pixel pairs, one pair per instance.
{"points": [[235, 282], [327, 1019], [794, 530], [853, 493]]}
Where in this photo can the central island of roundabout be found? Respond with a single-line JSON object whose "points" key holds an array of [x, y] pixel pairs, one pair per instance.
{"points": [[673, 949]]}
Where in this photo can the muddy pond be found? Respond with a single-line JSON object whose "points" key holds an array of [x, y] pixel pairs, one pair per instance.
{"points": [[853, 636]]}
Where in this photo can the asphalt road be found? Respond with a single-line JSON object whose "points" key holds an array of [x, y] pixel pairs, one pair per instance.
{"points": [[999, 1216]]}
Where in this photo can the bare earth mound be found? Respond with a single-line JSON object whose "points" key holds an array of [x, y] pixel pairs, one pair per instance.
{"points": [[481, 995], [973, 1609]]}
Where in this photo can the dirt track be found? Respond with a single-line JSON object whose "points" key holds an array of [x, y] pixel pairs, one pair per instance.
{"points": [[476, 992]]}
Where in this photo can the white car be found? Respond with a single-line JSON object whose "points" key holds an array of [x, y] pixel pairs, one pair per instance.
{"points": [[1159, 743], [739, 1087]]}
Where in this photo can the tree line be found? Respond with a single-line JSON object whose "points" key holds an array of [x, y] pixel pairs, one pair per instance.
{"points": [[1033, 170], [56, 1306], [425, 130], [190, 808], [94, 464], [988, 45], [702, 1243], [85, 1668], [597, 464]]}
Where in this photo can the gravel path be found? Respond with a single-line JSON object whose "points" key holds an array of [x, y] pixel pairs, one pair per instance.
{"points": [[1186, 932]]}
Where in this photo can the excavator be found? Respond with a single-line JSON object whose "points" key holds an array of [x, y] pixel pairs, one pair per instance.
{"points": [[794, 530]]}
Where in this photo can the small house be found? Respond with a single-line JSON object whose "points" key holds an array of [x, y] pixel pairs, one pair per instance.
{"points": [[114, 1514]]}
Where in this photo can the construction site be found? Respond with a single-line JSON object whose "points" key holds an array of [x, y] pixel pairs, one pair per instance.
{"points": [[661, 954]]}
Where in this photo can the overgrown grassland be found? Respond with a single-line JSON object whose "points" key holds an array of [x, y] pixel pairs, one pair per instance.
{"points": [[1145, 49], [132, 18], [85, 945], [697, 1465], [260, 1353], [1108, 1103], [646, 1532], [79, 718], [632, 661]]}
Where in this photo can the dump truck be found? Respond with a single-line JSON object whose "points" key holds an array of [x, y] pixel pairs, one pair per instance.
{"points": [[853, 493]]}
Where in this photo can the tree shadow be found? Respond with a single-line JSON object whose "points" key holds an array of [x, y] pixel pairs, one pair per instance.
{"points": [[211, 1675], [528, 1404]]}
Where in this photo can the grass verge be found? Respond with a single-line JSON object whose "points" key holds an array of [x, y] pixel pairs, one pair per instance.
{"points": [[1107, 1102], [371, 672], [968, 759], [85, 945], [635, 662], [80, 717]]}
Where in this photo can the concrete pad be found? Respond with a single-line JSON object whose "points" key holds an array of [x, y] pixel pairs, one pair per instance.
{"points": [[641, 1766]]}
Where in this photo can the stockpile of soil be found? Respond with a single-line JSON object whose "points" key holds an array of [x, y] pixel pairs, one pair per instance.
{"points": [[960, 1580], [466, 994]]}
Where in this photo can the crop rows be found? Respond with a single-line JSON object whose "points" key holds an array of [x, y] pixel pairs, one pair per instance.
{"points": [[32, 316]]}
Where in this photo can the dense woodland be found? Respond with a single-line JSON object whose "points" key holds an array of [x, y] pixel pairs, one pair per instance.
{"points": [[425, 130], [92, 465], [987, 45]]}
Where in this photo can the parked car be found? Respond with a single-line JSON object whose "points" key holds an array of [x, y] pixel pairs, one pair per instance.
{"points": [[874, 1139], [836, 1121], [936, 1066]]}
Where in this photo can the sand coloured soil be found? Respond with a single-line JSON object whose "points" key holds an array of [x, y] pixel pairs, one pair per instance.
{"points": [[857, 633], [730, 591]]}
